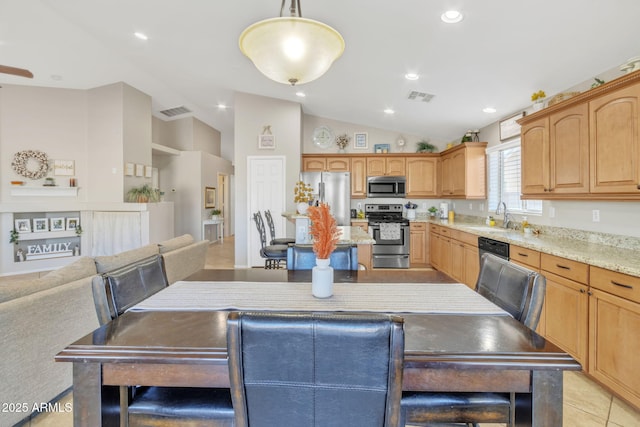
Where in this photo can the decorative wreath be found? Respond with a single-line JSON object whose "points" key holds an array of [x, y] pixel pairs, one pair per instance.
{"points": [[21, 159]]}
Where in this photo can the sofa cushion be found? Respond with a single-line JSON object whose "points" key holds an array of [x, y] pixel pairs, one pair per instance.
{"points": [[34, 329], [107, 263], [83, 267], [182, 263], [79, 269], [175, 243]]}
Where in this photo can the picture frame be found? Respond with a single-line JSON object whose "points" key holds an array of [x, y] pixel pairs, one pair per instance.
{"points": [[128, 169], [23, 225], [58, 224], [139, 169], [63, 167], [360, 140], [72, 223], [382, 148], [509, 127], [209, 197], [148, 172], [266, 142], [40, 225]]}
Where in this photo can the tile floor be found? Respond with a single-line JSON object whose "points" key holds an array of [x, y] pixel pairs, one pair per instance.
{"points": [[586, 404]]}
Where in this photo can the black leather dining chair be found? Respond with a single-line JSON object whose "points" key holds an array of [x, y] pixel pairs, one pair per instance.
{"points": [[273, 254], [314, 369], [302, 257], [272, 231], [520, 292]]}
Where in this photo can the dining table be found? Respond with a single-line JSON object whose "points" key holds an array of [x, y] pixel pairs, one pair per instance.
{"points": [[455, 340]]}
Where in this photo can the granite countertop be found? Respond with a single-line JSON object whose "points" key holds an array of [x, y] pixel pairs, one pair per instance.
{"points": [[597, 253], [355, 235]]}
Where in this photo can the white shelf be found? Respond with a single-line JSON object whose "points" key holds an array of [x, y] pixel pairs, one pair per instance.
{"points": [[45, 191], [47, 235]]}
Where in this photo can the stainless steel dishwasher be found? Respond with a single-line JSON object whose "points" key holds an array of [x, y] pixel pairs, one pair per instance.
{"points": [[495, 247]]}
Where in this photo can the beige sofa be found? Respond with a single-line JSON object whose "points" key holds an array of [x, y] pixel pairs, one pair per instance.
{"points": [[39, 317]]}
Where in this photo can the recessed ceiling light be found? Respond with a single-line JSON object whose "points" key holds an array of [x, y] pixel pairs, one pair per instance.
{"points": [[141, 36], [389, 111], [451, 17], [411, 76], [222, 106], [489, 110], [301, 94]]}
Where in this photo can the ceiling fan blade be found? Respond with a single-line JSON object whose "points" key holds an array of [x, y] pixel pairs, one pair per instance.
{"points": [[16, 71]]}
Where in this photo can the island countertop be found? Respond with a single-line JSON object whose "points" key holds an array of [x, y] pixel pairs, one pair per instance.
{"points": [[349, 235]]}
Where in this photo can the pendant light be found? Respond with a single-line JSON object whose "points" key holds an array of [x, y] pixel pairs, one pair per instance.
{"points": [[291, 50]]}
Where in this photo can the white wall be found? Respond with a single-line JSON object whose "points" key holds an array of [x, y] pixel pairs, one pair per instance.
{"points": [[375, 136], [252, 113]]}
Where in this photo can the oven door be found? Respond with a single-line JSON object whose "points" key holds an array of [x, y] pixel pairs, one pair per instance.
{"points": [[390, 253]]}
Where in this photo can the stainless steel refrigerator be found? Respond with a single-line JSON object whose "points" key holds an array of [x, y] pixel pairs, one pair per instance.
{"points": [[333, 188]]}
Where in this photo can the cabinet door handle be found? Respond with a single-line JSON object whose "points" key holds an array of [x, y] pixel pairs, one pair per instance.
{"points": [[521, 254], [564, 267], [582, 291], [622, 285]]}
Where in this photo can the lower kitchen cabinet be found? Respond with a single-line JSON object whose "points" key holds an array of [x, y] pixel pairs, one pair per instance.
{"points": [[566, 304], [465, 262], [419, 244], [614, 322]]}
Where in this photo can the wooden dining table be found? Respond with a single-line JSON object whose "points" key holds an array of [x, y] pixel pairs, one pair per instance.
{"points": [[485, 350]]}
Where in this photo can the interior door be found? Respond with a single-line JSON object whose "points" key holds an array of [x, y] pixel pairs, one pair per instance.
{"points": [[266, 190]]}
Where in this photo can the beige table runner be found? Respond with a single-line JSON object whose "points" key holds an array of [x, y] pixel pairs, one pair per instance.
{"points": [[433, 298]]}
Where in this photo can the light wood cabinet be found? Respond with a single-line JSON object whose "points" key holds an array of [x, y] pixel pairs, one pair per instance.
{"points": [[614, 322], [419, 244], [464, 259], [463, 171], [422, 177], [358, 177], [566, 304], [314, 164], [586, 147], [385, 165], [615, 142], [440, 250], [322, 164], [555, 153], [434, 255]]}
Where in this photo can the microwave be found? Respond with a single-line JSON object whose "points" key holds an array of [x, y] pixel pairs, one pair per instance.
{"points": [[386, 186]]}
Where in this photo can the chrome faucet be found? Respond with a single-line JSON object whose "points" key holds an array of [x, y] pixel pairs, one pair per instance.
{"points": [[507, 216]]}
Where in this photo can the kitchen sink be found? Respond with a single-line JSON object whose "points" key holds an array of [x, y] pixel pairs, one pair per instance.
{"points": [[487, 229]]}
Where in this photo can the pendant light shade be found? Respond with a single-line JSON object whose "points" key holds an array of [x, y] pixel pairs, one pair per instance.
{"points": [[291, 50]]}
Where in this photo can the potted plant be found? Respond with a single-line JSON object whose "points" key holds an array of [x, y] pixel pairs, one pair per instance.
{"points": [[425, 146], [432, 211], [144, 194], [302, 195], [538, 100], [215, 214]]}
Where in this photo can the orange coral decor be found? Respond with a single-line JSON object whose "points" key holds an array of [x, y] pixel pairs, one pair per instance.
{"points": [[324, 230]]}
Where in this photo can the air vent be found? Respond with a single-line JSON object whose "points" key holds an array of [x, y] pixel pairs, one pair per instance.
{"points": [[172, 112], [414, 95]]}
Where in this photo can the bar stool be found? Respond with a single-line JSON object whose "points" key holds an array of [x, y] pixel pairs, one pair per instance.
{"points": [[272, 230]]}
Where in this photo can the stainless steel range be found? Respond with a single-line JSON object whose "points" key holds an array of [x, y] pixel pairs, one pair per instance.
{"points": [[391, 233]]}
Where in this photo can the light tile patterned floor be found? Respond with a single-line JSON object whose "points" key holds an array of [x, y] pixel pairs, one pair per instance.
{"points": [[586, 404]]}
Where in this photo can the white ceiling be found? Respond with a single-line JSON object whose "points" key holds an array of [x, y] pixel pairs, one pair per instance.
{"points": [[502, 52]]}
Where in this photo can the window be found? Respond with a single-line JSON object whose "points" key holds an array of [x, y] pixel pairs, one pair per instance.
{"points": [[504, 180]]}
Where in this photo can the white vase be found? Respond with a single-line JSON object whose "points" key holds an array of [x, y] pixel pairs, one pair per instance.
{"points": [[538, 105], [302, 208], [322, 279], [411, 214]]}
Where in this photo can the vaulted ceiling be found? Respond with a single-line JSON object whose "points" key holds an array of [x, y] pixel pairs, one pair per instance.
{"points": [[500, 54]]}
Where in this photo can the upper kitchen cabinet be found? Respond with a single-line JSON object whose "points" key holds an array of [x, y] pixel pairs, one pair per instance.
{"points": [[381, 165], [325, 163], [555, 153], [358, 177], [422, 177], [586, 147], [615, 142], [463, 170]]}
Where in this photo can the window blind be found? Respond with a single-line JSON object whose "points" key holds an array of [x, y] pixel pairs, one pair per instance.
{"points": [[504, 179]]}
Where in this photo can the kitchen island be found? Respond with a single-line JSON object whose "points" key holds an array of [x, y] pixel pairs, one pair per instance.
{"points": [[349, 235]]}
